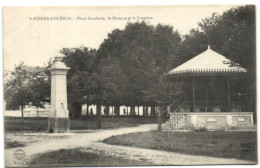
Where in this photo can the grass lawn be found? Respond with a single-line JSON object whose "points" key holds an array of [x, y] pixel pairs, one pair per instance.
{"points": [[13, 144], [75, 158], [239, 145], [14, 124]]}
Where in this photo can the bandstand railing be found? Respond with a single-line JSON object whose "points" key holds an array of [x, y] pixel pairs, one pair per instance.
{"points": [[213, 107]]}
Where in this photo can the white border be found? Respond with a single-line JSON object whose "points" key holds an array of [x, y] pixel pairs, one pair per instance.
{"points": [[119, 2]]}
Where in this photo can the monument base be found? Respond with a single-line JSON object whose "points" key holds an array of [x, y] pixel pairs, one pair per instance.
{"points": [[58, 125]]}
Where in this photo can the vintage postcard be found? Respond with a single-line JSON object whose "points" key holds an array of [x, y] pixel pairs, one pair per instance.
{"points": [[130, 86]]}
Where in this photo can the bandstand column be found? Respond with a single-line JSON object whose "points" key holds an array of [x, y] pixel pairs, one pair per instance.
{"points": [[250, 96], [193, 95], [229, 104], [206, 94]]}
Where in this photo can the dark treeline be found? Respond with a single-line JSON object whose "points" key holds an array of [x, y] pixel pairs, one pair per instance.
{"points": [[124, 69], [130, 65]]}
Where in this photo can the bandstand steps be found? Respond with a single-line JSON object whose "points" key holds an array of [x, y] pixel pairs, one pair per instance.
{"points": [[173, 122]]}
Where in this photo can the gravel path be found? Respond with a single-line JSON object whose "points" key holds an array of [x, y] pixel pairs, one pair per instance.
{"points": [[90, 142]]}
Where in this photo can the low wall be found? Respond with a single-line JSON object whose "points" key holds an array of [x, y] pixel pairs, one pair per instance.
{"points": [[18, 113], [217, 120]]}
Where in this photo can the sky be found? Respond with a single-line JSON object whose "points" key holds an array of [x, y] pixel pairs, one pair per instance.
{"points": [[34, 42]]}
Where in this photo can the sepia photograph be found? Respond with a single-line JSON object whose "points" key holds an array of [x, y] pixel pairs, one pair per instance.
{"points": [[119, 86]]}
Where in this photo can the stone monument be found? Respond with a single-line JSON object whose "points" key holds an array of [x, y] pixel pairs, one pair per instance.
{"points": [[59, 115]]}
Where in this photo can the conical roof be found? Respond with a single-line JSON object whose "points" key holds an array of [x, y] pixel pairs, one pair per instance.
{"points": [[207, 62]]}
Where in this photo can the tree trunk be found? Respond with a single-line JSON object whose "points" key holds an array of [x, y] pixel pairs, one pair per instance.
{"points": [[132, 111], [252, 97], [107, 111], [113, 110], [75, 109], [152, 111], [87, 111], [145, 111], [98, 116], [159, 120], [22, 112], [37, 111], [164, 111], [117, 110]]}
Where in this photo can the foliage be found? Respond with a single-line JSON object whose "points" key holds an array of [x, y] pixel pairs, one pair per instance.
{"points": [[233, 34], [81, 80], [130, 60], [40, 87], [27, 85], [17, 92]]}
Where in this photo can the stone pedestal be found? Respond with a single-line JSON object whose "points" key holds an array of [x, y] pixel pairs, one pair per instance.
{"points": [[59, 115], [59, 125]]}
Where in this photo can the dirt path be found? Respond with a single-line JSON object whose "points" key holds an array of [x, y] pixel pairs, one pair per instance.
{"points": [[90, 142]]}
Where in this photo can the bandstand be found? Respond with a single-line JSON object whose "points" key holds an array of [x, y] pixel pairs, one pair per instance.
{"points": [[216, 94]]}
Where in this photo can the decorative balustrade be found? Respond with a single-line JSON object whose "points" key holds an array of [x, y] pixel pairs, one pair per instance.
{"points": [[213, 107]]}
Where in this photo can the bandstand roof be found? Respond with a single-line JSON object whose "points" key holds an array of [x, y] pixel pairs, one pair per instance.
{"points": [[208, 62]]}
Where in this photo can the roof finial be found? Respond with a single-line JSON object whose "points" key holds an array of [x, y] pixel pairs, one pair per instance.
{"points": [[208, 46]]}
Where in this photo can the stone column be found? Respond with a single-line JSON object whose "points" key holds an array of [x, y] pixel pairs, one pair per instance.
{"points": [[59, 115]]}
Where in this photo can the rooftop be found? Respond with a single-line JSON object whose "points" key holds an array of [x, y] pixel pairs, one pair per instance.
{"points": [[208, 61]]}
